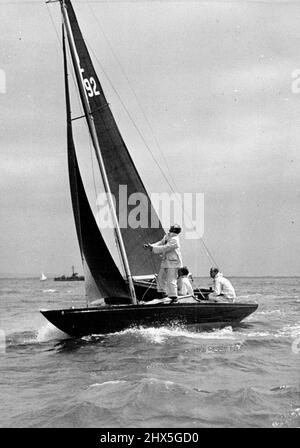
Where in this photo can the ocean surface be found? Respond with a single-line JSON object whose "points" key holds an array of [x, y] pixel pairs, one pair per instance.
{"points": [[247, 376]]}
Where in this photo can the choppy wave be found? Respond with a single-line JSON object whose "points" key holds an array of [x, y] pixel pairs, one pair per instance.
{"points": [[289, 420], [154, 402], [9, 291], [28, 337], [289, 331], [48, 332], [162, 334], [245, 375], [112, 382], [269, 313], [20, 338]]}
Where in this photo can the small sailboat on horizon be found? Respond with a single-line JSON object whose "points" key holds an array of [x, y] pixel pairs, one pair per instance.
{"points": [[121, 294], [43, 277]]}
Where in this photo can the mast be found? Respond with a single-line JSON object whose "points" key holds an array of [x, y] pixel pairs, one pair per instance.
{"points": [[93, 133]]}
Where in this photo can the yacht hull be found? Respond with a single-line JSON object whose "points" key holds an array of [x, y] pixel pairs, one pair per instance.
{"points": [[110, 319]]}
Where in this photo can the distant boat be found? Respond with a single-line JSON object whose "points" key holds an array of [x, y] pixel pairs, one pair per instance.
{"points": [[73, 278], [121, 298], [43, 277]]}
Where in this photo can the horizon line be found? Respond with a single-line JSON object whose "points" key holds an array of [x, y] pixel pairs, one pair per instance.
{"points": [[35, 276]]}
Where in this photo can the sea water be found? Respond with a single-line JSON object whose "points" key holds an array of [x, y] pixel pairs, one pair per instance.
{"points": [[169, 377]]}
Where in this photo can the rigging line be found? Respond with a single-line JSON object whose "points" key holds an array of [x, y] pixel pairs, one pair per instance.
{"points": [[71, 71], [86, 126], [209, 256], [137, 100], [96, 195], [97, 218], [115, 232], [70, 67], [132, 90], [120, 267], [92, 51], [207, 252], [150, 286], [91, 153], [93, 175], [54, 26], [69, 124], [74, 83], [146, 119], [129, 115]]}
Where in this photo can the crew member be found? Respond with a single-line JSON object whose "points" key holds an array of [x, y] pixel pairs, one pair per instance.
{"points": [[169, 249], [183, 282], [223, 289]]}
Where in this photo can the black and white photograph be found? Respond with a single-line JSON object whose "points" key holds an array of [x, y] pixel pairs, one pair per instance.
{"points": [[149, 217]]}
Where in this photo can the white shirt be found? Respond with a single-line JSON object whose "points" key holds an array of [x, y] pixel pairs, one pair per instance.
{"points": [[184, 287], [223, 286], [169, 249]]}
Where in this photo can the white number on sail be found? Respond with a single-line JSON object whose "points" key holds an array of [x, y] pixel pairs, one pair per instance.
{"points": [[90, 85], [93, 83]]}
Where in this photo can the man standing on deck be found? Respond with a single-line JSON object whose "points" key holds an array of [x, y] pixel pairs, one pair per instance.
{"points": [[223, 289], [169, 249]]}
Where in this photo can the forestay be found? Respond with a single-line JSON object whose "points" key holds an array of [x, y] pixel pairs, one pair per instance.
{"points": [[118, 163]]}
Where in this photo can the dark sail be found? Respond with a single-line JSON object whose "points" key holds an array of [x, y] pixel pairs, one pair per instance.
{"points": [[94, 251], [118, 163]]}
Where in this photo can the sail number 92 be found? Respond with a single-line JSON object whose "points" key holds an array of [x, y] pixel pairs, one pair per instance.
{"points": [[90, 85]]}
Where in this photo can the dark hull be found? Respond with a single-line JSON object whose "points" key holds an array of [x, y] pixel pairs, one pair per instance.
{"points": [[69, 279], [95, 320]]}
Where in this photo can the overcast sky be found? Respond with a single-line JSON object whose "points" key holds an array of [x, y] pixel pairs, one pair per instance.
{"points": [[215, 82]]}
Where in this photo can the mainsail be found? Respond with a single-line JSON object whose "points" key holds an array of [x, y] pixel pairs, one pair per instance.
{"points": [[118, 163], [99, 263]]}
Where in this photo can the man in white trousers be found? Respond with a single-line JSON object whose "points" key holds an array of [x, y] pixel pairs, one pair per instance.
{"points": [[169, 249]]}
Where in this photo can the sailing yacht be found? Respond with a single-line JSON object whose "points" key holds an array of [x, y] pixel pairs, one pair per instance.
{"points": [[121, 295], [43, 277]]}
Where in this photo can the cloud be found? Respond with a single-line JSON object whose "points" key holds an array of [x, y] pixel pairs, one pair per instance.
{"points": [[214, 81]]}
